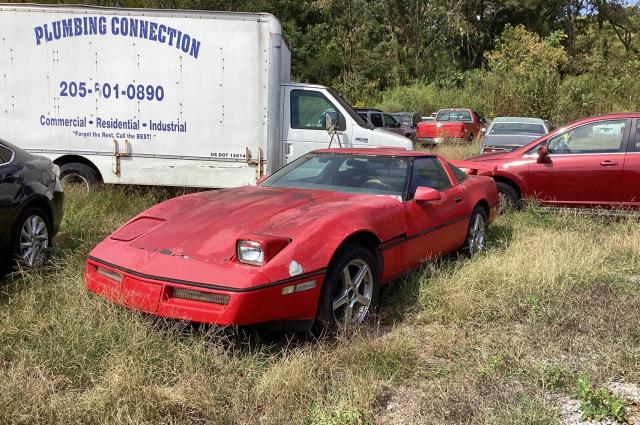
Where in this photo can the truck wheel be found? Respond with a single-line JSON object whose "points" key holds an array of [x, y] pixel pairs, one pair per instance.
{"points": [[77, 173], [508, 196], [351, 288]]}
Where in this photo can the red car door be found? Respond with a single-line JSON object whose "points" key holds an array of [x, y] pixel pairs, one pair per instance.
{"points": [[631, 173], [584, 166], [437, 227]]}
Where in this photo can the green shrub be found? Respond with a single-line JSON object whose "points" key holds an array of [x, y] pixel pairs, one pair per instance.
{"points": [[598, 404]]}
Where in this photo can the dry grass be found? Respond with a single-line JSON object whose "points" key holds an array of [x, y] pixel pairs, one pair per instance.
{"points": [[454, 150], [461, 341]]}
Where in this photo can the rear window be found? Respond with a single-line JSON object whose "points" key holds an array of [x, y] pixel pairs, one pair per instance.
{"points": [[510, 128], [5, 154], [449, 115], [460, 175]]}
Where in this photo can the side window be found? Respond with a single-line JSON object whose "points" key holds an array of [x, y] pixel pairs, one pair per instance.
{"points": [[460, 175], [637, 149], [428, 172], [376, 120], [309, 110], [389, 121], [595, 137], [5, 155]]}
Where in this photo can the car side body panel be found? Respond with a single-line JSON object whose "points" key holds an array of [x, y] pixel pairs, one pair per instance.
{"points": [[602, 179]]}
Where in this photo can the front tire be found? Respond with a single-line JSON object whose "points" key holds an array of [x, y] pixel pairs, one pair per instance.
{"points": [[32, 237], [508, 196], [476, 233], [351, 288]]}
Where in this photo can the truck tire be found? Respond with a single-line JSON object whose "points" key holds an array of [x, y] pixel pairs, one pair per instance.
{"points": [[508, 196], [75, 172]]}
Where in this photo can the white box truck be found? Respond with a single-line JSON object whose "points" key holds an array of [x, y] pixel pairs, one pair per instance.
{"points": [[163, 97]]}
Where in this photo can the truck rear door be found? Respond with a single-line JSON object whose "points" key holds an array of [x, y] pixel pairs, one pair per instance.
{"points": [[304, 117]]}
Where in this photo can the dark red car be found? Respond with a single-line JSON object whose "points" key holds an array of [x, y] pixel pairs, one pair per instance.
{"points": [[593, 162], [315, 240], [456, 124]]}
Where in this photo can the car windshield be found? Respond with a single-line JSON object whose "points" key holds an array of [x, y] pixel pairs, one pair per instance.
{"points": [[517, 128], [380, 175]]}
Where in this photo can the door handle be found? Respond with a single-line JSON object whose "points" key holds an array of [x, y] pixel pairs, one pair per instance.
{"points": [[608, 163], [362, 140], [458, 199]]}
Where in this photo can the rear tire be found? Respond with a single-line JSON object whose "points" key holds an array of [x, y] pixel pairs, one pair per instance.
{"points": [[77, 173], [508, 196], [346, 301], [32, 234]]}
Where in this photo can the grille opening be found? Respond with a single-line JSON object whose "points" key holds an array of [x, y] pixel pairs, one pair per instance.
{"points": [[208, 297]]}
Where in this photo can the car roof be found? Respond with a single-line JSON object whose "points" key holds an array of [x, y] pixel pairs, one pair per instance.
{"points": [[518, 119], [380, 151]]}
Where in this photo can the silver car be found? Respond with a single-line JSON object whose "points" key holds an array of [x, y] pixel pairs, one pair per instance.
{"points": [[510, 133]]}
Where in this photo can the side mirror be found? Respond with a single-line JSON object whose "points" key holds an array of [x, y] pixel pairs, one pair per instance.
{"points": [[426, 194], [543, 153], [330, 123]]}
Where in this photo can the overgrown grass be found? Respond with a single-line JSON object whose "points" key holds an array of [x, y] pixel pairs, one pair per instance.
{"points": [[468, 341]]}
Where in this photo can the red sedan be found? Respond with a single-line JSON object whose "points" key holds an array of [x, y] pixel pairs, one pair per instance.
{"points": [[594, 162], [315, 240]]}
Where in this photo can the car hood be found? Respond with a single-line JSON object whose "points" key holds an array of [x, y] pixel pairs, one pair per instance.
{"points": [[509, 139], [488, 157], [205, 226]]}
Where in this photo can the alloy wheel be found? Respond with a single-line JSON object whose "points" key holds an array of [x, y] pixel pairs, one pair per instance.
{"points": [[354, 293], [34, 241], [476, 241], [505, 202]]}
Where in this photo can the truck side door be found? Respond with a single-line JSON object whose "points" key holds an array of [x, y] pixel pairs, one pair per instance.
{"points": [[304, 118]]}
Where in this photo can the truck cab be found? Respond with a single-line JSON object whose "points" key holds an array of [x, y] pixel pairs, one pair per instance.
{"points": [[304, 118]]}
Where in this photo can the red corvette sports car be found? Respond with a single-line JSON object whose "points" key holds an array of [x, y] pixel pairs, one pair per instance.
{"points": [[593, 162], [315, 240]]}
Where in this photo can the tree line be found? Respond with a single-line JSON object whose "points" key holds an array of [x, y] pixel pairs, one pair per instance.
{"points": [[557, 59]]}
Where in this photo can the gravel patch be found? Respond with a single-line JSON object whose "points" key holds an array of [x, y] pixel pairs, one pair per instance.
{"points": [[569, 411]]}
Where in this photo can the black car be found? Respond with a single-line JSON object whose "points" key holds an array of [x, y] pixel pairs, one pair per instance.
{"points": [[384, 120], [31, 201]]}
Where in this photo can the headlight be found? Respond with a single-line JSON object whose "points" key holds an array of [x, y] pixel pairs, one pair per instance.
{"points": [[56, 170], [250, 252], [259, 249]]}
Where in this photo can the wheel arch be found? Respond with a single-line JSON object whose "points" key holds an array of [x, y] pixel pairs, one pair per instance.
{"points": [[70, 159], [485, 205], [364, 238], [511, 182], [34, 202]]}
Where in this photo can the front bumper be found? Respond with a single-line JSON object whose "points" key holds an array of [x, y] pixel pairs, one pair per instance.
{"points": [[264, 303]]}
